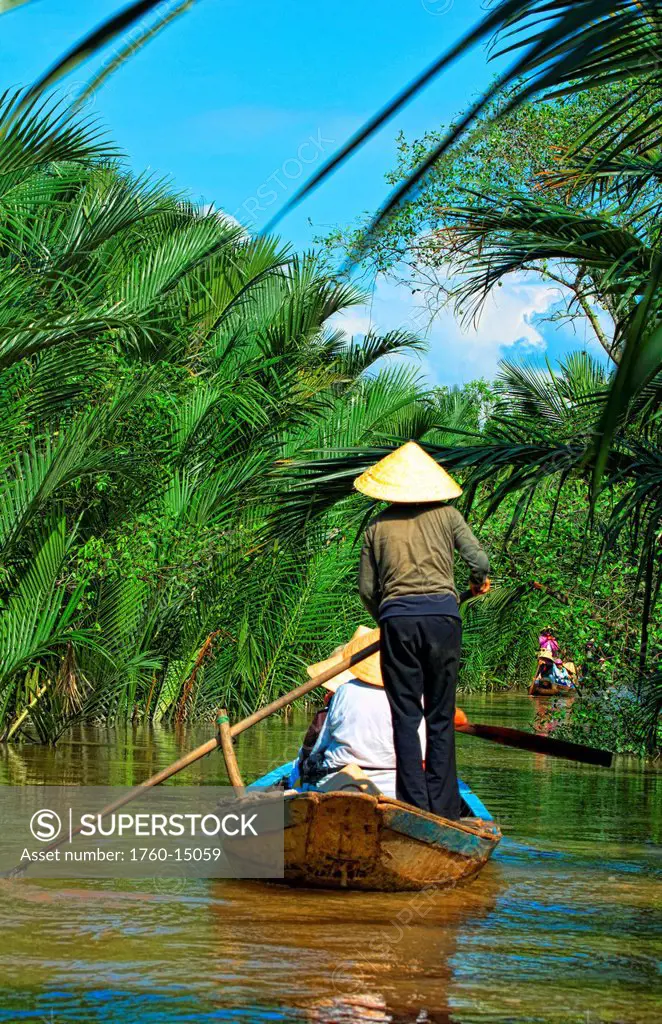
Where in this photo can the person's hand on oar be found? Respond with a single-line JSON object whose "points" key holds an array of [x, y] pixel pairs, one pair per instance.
{"points": [[460, 718]]}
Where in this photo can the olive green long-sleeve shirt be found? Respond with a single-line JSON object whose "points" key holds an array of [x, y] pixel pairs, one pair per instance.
{"points": [[408, 549]]}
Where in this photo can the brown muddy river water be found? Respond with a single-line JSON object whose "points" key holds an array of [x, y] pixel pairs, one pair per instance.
{"points": [[564, 925]]}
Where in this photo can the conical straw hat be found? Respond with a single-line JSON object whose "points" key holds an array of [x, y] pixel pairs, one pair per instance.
{"points": [[368, 671], [322, 666], [408, 476]]}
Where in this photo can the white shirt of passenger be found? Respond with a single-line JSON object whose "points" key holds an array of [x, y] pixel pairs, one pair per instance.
{"points": [[358, 729]]}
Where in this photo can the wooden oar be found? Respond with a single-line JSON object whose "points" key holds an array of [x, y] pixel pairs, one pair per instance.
{"points": [[222, 737], [538, 744], [225, 736]]}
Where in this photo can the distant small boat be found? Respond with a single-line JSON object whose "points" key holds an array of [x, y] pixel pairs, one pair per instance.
{"points": [[544, 684], [357, 840], [551, 690]]}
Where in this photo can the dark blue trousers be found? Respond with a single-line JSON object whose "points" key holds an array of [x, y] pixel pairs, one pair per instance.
{"points": [[420, 659]]}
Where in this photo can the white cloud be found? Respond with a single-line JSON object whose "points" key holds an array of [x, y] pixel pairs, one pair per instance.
{"points": [[458, 354], [353, 322], [206, 209]]}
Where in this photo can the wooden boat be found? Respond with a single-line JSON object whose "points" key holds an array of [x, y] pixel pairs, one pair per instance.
{"points": [[551, 690], [357, 840]]}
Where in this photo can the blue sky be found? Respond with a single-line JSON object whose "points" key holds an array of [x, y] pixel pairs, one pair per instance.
{"points": [[237, 102]]}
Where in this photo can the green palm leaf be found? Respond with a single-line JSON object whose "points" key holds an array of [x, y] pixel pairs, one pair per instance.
{"points": [[108, 30]]}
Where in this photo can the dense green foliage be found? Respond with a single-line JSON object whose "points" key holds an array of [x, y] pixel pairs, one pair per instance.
{"points": [[560, 49], [161, 374], [155, 366], [175, 526]]}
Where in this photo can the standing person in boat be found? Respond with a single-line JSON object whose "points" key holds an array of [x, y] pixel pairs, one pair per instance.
{"points": [[407, 584]]}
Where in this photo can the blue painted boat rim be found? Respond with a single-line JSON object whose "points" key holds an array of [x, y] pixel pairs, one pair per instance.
{"points": [[474, 803], [274, 777], [457, 836]]}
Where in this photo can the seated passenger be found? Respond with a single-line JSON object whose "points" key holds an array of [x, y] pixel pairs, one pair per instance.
{"points": [[357, 728], [319, 718], [545, 671], [562, 675]]}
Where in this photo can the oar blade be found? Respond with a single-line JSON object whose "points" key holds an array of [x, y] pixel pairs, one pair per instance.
{"points": [[539, 744]]}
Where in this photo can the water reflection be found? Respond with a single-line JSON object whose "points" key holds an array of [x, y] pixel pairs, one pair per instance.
{"points": [[261, 949], [367, 956], [564, 925]]}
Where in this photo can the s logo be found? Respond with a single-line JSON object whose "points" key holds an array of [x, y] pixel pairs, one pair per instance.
{"points": [[45, 825]]}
